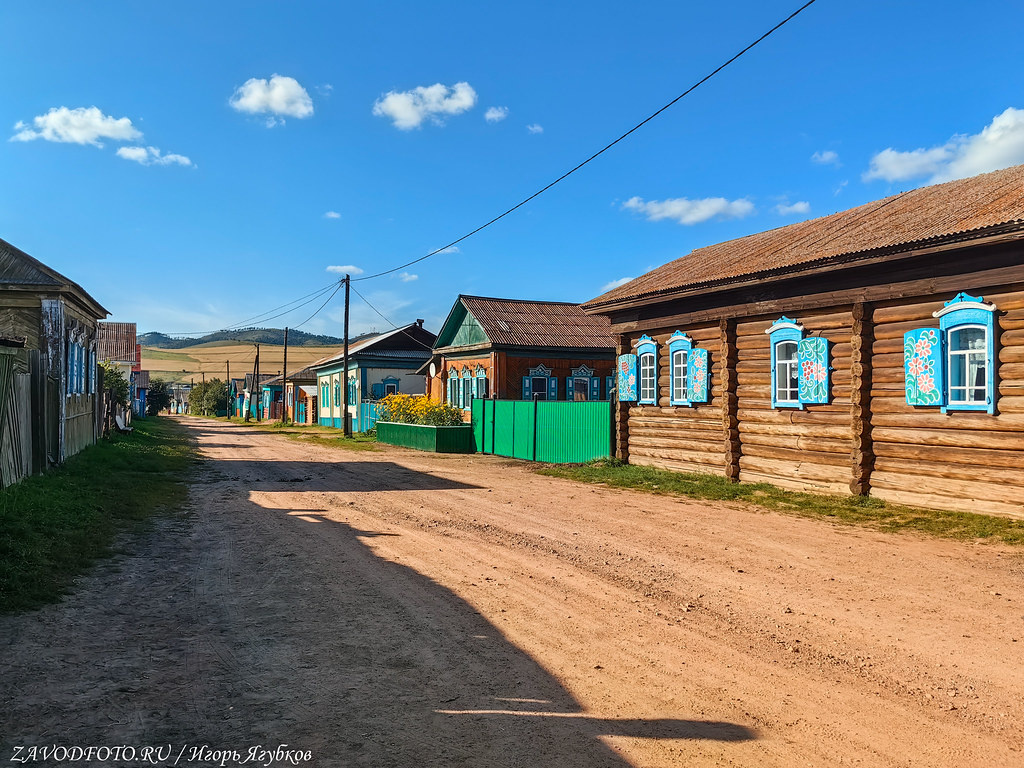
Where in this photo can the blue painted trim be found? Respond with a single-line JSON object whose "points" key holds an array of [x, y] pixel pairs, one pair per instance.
{"points": [[645, 345], [790, 331], [679, 342], [979, 315]]}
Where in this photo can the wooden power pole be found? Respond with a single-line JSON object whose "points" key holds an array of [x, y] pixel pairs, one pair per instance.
{"points": [[284, 382], [344, 376]]}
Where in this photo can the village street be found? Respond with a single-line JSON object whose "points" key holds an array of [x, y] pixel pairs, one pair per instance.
{"points": [[395, 608]]}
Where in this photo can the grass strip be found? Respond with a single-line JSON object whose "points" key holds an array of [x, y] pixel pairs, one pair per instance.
{"points": [[850, 510], [53, 527]]}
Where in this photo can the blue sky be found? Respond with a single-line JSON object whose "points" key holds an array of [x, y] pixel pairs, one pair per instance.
{"points": [[152, 155]]}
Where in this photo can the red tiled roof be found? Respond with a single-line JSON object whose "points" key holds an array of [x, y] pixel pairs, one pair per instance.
{"points": [[950, 211], [539, 323]]}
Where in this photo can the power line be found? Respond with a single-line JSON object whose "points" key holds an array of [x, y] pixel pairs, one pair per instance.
{"points": [[601, 151], [386, 320], [336, 289]]}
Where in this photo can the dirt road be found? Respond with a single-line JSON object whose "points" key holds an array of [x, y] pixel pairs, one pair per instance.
{"points": [[403, 609]]}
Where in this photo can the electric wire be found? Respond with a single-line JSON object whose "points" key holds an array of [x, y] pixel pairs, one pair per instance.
{"points": [[600, 152], [336, 289], [389, 322]]}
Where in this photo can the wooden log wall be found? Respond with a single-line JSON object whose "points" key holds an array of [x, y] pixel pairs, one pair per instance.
{"points": [[682, 438], [866, 440], [958, 460], [805, 449]]}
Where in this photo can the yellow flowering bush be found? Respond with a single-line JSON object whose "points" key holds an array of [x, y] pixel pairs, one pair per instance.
{"points": [[417, 409]]}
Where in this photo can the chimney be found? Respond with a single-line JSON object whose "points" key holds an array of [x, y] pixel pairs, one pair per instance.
{"points": [[419, 322]]}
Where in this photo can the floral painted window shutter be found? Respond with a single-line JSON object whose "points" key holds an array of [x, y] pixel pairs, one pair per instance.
{"points": [[527, 388], [922, 367], [553, 388], [570, 390], [697, 390], [812, 359], [627, 378], [595, 388]]}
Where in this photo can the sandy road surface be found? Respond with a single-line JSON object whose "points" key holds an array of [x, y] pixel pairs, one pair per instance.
{"points": [[403, 609]]}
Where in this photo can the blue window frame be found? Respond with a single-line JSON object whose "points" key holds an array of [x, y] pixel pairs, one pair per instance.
{"points": [[480, 383], [647, 364], [679, 346], [539, 384], [967, 330], [784, 338]]}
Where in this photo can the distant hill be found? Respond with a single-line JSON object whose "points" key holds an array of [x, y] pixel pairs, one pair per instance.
{"points": [[245, 335]]}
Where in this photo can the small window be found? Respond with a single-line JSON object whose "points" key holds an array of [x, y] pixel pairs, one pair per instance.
{"points": [[968, 366], [467, 393], [679, 359], [581, 389], [647, 360], [539, 387], [787, 373], [390, 389]]}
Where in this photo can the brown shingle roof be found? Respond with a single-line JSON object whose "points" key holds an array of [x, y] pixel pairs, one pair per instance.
{"points": [[539, 323], [952, 211]]}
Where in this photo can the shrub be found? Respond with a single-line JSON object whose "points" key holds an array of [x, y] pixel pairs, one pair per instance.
{"points": [[418, 409]]}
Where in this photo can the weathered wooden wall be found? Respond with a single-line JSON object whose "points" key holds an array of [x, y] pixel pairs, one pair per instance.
{"points": [[866, 440], [683, 438], [958, 460]]}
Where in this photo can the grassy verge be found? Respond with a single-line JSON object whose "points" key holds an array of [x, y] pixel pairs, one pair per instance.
{"points": [[313, 433], [54, 526], [850, 510]]}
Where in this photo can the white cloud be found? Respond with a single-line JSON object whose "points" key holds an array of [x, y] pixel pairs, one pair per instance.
{"points": [[280, 97], [891, 165], [535, 128], [689, 212], [332, 215], [450, 249], [408, 109], [616, 283], [152, 156], [346, 269], [828, 157], [495, 114], [1000, 144], [84, 125], [801, 207], [405, 277], [841, 187]]}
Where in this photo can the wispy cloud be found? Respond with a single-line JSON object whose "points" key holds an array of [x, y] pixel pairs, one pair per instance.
{"points": [[495, 114], [828, 157], [83, 125], [1000, 144], [152, 156], [535, 128], [278, 97], [689, 212], [345, 269], [332, 215], [409, 109], [616, 283], [450, 249], [405, 277], [785, 209]]}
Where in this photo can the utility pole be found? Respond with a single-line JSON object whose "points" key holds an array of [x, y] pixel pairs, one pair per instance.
{"points": [[255, 367], [228, 405], [284, 381], [256, 386], [344, 386]]}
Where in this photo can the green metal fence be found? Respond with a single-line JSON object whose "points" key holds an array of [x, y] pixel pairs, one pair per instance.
{"points": [[555, 432]]}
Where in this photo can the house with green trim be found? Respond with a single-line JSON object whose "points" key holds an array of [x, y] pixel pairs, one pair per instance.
{"points": [[378, 365]]}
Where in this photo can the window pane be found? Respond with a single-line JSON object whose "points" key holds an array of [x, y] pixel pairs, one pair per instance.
{"points": [[540, 387]]}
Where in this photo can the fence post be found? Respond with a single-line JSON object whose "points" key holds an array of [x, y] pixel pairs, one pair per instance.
{"points": [[38, 387], [535, 429]]}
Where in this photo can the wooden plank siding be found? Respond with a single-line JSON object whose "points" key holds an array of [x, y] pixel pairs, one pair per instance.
{"points": [[866, 439]]}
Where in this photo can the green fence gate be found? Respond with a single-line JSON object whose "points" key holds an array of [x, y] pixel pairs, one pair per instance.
{"points": [[555, 432]]}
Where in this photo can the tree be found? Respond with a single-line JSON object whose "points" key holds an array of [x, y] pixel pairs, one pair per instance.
{"points": [[114, 379], [208, 397], [158, 397]]}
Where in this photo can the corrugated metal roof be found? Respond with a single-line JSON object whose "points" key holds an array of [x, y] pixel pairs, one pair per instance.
{"points": [[115, 342], [929, 215], [18, 268], [554, 324], [365, 346]]}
